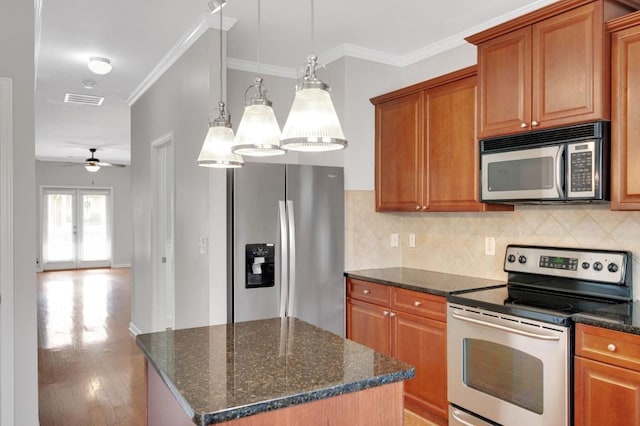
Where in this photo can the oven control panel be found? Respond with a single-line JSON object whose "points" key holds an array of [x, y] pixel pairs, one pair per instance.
{"points": [[606, 266]]}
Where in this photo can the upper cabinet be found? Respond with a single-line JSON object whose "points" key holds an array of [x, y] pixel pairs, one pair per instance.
{"points": [[545, 69], [625, 112], [426, 149]]}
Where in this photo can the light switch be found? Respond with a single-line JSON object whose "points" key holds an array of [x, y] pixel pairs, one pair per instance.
{"points": [[412, 240], [490, 246], [394, 240]]}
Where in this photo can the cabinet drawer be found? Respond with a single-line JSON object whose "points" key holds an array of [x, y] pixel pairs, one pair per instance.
{"points": [[612, 347], [423, 304], [369, 292]]}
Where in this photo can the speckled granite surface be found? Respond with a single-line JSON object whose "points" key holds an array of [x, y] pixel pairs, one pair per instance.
{"points": [[230, 371], [437, 283], [623, 317]]}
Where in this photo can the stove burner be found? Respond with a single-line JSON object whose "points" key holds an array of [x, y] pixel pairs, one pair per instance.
{"points": [[555, 306]]}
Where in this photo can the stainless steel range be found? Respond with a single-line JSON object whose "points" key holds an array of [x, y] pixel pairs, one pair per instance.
{"points": [[510, 347]]}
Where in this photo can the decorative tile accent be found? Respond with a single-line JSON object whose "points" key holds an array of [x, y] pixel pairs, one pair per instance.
{"points": [[454, 242]]}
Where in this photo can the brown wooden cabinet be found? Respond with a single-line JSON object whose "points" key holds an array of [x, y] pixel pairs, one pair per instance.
{"points": [[625, 112], [607, 377], [410, 326], [426, 149], [545, 69]]}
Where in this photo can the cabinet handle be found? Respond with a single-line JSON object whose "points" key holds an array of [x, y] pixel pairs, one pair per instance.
{"points": [[366, 291], [523, 125], [385, 313], [424, 207], [417, 303], [534, 123], [611, 347], [417, 207], [392, 314]]}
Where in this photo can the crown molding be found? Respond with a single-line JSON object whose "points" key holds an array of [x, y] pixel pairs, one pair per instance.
{"points": [[205, 22], [265, 69]]}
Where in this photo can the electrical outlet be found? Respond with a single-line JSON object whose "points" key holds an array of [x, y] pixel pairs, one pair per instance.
{"points": [[412, 240], [490, 246], [394, 240]]}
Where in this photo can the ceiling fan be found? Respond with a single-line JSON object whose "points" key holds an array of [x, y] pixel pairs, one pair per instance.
{"points": [[93, 164]]}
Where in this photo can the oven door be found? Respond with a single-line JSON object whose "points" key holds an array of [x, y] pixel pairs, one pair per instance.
{"points": [[535, 174], [508, 369]]}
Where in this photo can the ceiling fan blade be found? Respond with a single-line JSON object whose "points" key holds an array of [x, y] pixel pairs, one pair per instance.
{"points": [[103, 164]]}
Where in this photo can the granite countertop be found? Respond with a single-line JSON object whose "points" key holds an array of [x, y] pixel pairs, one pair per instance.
{"points": [[437, 283], [224, 372], [623, 317]]}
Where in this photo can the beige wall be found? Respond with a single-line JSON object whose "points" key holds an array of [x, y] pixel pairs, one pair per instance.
{"points": [[454, 242]]}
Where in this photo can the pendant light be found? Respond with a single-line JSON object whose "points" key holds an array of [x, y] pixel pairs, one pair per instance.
{"points": [[258, 133], [216, 149], [313, 124]]}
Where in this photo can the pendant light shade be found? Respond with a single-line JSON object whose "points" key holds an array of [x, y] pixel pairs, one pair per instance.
{"points": [[313, 124], [216, 149], [258, 134]]}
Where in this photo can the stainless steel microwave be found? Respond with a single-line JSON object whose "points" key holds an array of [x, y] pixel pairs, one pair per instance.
{"points": [[568, 164]]}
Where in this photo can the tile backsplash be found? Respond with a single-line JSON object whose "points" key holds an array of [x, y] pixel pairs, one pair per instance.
{"points": [[455, 242]]}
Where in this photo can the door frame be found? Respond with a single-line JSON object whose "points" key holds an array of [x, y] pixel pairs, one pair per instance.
{"points": [[6, 253], [163, 299], [43, 221]]}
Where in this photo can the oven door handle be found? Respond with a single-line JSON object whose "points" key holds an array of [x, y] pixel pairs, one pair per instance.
{"points": [[456, 416], [505, 328]]}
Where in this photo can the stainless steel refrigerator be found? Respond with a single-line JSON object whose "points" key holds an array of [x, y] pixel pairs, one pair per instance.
{"points": [[287, 240]]}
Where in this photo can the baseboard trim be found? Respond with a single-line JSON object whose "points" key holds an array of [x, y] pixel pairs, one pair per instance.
{"points": [[134, 330], [120, 265]]}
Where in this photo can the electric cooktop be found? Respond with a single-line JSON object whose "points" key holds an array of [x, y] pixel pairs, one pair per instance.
{"points": [[550, 284]]}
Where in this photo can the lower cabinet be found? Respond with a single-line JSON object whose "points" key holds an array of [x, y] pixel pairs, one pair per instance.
{"points": [[409, 326], [607, 377]]}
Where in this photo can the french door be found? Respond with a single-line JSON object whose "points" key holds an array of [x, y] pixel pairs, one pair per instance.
{"points": [[76, 228]]}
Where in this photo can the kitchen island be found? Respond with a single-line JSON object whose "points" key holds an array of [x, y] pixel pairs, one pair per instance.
{"points": [[275, 371]]}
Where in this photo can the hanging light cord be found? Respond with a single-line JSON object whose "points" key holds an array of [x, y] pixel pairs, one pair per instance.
{"points": [[313, 36], [221, 55], [259, 38]]}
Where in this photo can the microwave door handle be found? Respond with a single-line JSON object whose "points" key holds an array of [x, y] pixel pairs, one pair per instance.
{"points": [[560, 172], [505, 328]]}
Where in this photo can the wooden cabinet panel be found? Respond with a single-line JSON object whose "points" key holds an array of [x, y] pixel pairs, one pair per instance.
{"points": [[605, 394], [452, 152], [426, 305], [422, 343], [612, 347], [367, 291], [504, 84], [625, 113], [368, 325], [399, 154], [568, 71]]}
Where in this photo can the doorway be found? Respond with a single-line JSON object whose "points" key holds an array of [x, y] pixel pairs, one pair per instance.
{"points": [[76, 228]]}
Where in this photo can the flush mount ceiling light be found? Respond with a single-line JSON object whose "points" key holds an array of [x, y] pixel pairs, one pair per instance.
{"points": [[258, 134], [313, 124], [216, 5], [99, 65], [216, 149]]}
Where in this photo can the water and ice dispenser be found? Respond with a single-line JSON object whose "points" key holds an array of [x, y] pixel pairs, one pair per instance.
{"points": [[259, 265]]}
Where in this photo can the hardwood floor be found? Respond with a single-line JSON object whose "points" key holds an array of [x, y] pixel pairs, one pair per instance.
{"points": [[89, 369]]}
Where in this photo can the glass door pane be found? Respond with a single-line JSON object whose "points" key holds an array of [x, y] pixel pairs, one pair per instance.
{"points": [[59, 230], [94, 227]]}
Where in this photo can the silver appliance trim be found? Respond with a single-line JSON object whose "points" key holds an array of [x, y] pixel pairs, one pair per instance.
{"points": [[505, 328], [460, 418], [284, 256], [292, 258]]}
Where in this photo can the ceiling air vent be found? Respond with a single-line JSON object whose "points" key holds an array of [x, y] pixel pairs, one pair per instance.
{"points": [[75, 98]]}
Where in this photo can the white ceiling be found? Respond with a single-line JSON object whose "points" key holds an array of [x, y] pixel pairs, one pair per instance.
{"points": [[136, 35]]}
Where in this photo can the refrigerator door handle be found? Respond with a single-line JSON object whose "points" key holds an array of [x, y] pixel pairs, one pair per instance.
{"points": [[292, 258], [284, 257]]}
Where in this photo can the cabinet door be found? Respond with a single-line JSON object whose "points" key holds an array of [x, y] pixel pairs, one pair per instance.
{"points": [[568, 68], [399, 154], [625, 120], [605, 395], [450, 134], [422, 343], [368, 325], [504, 85]]}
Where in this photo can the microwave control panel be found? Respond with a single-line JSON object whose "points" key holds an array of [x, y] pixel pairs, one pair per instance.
{"points": [[582, 177]]}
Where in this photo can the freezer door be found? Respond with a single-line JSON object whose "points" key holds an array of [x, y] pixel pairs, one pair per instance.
{"points": [[257, 190], [315, 194]]}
